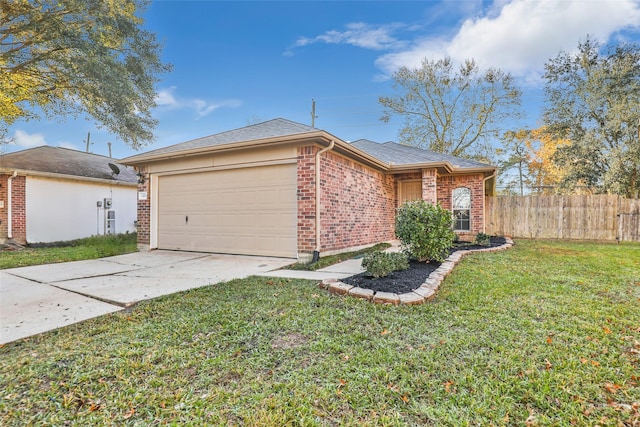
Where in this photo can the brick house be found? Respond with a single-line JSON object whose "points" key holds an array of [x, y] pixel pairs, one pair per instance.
{"points": [[50, 194], [282, 188]]}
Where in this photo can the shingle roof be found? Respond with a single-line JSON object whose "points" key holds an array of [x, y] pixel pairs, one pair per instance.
{"points": [[269, 129], [64, 161], [398, 154]]}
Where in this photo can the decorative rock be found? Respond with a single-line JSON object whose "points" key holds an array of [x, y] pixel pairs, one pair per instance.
{"points": [[361, 293], [432, 283], [425, 292], [326, 282], [411, 298], [386, 298], [339, 288]]}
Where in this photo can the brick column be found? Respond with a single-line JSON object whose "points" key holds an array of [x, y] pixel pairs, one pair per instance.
{"points": [[144, 212], [429, 186]]}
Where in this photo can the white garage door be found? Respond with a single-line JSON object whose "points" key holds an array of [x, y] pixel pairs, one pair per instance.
{"points": [[249, 211]]}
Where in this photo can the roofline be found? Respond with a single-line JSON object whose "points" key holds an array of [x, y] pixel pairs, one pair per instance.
{"points": [[26, 172], [453, 170], [321, 137]]}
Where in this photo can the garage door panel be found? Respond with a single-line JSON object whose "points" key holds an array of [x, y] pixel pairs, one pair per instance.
{"points": [[243, 211]]}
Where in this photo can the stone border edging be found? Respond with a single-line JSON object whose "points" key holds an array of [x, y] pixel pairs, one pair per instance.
{"points": [[424, 293]]}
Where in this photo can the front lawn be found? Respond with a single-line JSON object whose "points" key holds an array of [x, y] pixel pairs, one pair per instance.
{"points": [[544, 334], [75, 250]]}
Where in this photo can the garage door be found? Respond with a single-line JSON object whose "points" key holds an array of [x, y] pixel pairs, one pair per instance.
{"points": [[249, 211]]}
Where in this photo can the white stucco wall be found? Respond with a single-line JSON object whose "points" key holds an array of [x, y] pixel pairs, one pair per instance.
{"points": [[59, 210]]}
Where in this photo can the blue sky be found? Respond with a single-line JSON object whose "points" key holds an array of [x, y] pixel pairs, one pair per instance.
{"points": [[242, 61]]}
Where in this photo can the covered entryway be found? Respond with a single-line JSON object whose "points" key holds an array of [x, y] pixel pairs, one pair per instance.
{"points": [[251, 210]]}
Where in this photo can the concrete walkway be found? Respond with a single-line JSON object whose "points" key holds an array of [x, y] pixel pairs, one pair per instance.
{"points": [[46, 297]]}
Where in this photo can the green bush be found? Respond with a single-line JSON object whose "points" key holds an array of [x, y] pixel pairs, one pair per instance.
{"points": [[424, 230], [482, 239], [381, 264]]}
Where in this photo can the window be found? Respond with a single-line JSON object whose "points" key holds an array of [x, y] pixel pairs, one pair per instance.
{"points": [[461, 202]]}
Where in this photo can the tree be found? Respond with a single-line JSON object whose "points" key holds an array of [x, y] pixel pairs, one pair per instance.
{"points": [[62, 57], [450, 110], [593, 100], [545, 174], [513, 163]]}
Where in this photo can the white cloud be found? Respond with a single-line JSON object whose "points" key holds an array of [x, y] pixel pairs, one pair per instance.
{"points": [[203, 108], [165, 98], [380, 37], [26, 140], [521, 35], [69, 145]]}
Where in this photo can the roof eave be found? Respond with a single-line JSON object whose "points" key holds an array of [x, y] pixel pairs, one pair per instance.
{"points": [[26, 172], [446, 166], [150, 158]]}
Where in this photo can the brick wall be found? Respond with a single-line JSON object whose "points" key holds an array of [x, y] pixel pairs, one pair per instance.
{"points": [[18, 208], [357, 203], [306, 199], [144, 211], [3, 210], [446, 185], [429, 185]]}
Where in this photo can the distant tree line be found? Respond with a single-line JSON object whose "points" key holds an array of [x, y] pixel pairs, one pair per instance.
{"points": [[589, 140]]}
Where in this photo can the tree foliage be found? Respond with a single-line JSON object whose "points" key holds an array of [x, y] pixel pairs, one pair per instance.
{"points": [[79, 56], [593, 100], [451, 110]]}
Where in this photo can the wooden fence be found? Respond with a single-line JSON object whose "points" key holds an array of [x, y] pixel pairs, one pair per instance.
{"points": [[589, 217]]}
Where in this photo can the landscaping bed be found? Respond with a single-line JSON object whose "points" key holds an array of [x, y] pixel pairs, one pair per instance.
{"points": [[400, 282]]}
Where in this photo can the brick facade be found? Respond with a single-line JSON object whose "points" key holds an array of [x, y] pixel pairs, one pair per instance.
{"points": [[358, 204], [446, 185], [18, 208], [144, 211], [429, 185]]}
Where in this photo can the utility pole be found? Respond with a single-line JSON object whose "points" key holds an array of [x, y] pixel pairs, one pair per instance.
{"points": [[313, 113], [88, 140], [109, 144]]}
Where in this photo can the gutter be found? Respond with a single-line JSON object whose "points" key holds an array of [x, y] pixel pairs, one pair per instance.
{"points": [[484, 198], [9, 212], [316, 252]]}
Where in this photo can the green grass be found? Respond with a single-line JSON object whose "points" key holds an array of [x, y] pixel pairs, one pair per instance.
{"points": [[328, 260], [89, 248], [544, 334]]}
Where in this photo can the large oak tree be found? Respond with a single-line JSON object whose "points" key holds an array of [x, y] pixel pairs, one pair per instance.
{"points": [[593, 100], [65, 57], [454, 110]]}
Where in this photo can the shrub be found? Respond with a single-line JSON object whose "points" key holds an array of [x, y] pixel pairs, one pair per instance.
{"points": [[482, 239], [381, 264], [424, 230]]}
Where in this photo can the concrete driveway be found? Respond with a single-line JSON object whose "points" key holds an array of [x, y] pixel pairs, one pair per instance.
{"points": [[46, 297]]}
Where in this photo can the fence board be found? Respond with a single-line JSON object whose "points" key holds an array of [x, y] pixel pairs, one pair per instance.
{"points": [[584, 217]]}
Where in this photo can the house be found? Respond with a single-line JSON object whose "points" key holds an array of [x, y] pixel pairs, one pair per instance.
{"points": [[50, 194], [285, 189]]}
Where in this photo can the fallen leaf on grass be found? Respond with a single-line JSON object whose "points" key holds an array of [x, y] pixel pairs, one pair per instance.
{"points": [[385, 332], [447, 386], [549, 340], [606, 330], [405, 398], [130, 413], [611, 387], [547, 364]]}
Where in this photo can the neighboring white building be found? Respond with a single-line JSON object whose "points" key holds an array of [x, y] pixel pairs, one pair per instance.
{"points": [[50, 194]]}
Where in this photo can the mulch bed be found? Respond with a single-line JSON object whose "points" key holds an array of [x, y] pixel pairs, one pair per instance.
{"points": [[404, 281]]}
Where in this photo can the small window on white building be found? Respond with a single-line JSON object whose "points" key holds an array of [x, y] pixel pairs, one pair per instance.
{"points": [[461, 203]]}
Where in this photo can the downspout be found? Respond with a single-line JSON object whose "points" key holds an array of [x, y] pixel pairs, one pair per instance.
{"points": [[484, 199], [316, 252], [9, 213]]}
